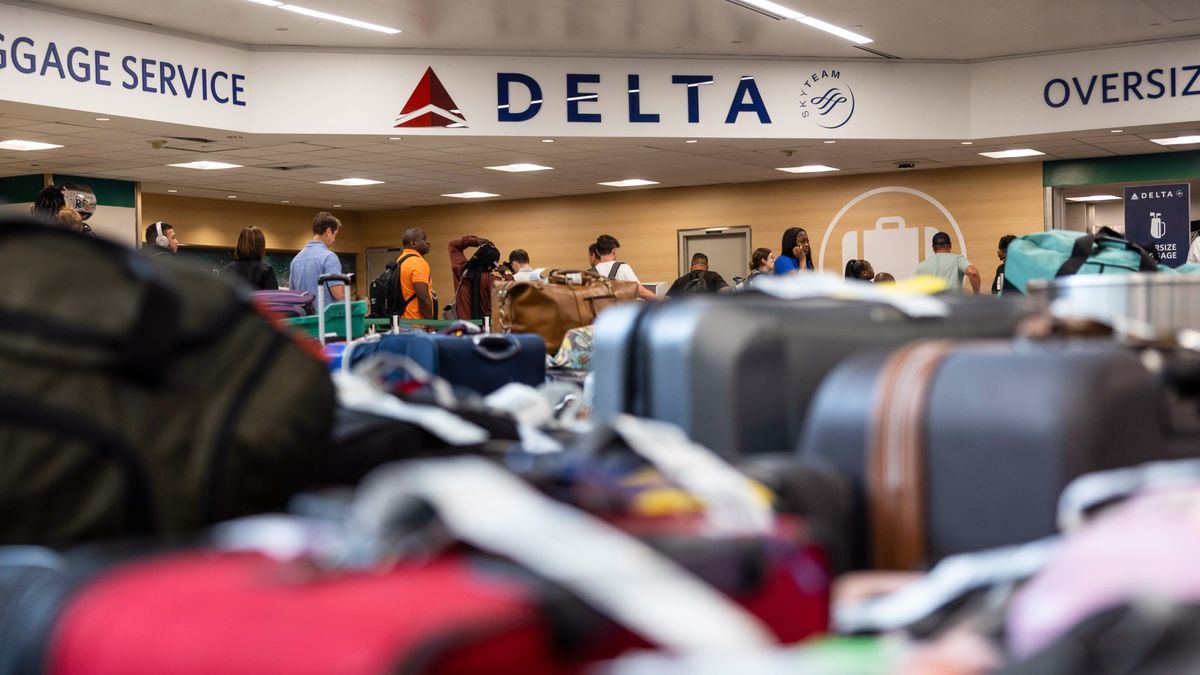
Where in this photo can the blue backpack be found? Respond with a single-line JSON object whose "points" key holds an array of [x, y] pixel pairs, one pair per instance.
{"points": [[1046, 255]]}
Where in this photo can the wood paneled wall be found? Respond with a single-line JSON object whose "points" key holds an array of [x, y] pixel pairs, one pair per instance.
{"points": [[986, 202], [215, 222]]}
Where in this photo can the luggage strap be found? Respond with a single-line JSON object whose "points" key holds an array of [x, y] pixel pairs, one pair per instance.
{"points": [[485, 506], [896, 455]]}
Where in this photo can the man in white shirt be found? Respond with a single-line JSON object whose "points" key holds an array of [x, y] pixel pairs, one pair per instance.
{"points": [[518, 260], [609, 266]]}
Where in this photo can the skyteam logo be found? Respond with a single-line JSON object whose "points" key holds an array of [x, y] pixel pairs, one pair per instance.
{"points": [[827, 99], [430, 106]]}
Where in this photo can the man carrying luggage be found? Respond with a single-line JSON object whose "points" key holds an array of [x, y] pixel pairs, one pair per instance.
{"points": [[698, 280], [950, 267], [316, 259], [609, 266], [415, 284]]}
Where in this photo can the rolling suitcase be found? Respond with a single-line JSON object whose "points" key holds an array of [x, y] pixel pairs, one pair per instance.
{"points": [[960, 446], [737, 373], [482, 362]]}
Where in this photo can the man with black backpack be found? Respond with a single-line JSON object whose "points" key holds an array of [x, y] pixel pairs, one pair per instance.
{"points": [[698, 280], [609, 266]]}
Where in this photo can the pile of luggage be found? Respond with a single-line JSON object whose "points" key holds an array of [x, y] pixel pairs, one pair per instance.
{"points": [[188, 488]]}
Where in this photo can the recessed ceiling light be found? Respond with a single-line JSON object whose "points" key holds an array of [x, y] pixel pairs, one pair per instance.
{"points": [[835, 30], [352, 182], [231, 196], [25, 146], [102, 119], [830, 142], [691, 141], [967, 143], [317, 14], [519, 168], [547, 140], [471, 195], [808, 168], [337, 206], [172, 190], [206, 166], [395, 138], [285, 201], [1116, 131], [1009, 154], [1095, 198], [1178, 140], [630, 182]]}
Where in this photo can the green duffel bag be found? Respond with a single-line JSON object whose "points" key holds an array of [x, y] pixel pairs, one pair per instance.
{"points": [[142, 397], [1046, 255]]}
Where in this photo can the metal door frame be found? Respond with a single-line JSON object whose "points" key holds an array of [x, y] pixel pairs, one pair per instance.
{"points": [[681, 246]]}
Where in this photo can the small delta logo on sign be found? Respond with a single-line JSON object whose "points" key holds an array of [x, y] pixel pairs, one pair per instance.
{"points": [[430, 106]]}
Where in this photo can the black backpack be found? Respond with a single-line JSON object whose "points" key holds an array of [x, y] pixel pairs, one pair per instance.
{"points": [[140, 396], [384, 293]]}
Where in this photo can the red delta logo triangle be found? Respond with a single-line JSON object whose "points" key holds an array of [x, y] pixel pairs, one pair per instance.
{"points": [[430, 106]]}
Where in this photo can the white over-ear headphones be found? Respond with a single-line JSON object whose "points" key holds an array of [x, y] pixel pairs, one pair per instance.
{"points": [[161, 240]]}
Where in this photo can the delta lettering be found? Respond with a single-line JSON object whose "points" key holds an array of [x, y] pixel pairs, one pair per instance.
{"points": [[1130, 85], [579, 90], [152, 76]]}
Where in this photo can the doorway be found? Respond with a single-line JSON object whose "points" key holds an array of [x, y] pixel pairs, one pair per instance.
{"points": [[728, 250], [377, 260]]}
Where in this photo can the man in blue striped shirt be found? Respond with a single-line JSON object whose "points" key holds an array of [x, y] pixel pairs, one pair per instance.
{"points": [[316, 260]]}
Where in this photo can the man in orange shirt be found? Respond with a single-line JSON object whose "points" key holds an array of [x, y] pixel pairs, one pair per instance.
{"points": [[415, 281]]}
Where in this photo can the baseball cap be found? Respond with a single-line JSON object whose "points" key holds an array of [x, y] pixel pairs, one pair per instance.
{"points": [[941, 239]]}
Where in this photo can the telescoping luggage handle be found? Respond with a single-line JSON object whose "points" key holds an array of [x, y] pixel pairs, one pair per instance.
{"points": [[324, 280], [489, 508]]}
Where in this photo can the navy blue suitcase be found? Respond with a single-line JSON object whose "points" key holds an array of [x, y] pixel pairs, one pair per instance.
{"points": [[483, 362]]}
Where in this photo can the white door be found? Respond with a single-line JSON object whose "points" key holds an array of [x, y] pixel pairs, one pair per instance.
{"points": [[728, 250]]}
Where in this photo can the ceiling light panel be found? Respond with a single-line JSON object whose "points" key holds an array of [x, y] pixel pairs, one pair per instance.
{"points": [[835, 30], [1178, 140], [520, 168], [26, 146], [773, 9], [326, 16], [630, 182], [1095, 198], [471, 195], [206, 166], [1010, 154], [807, 168], [352, 182]]}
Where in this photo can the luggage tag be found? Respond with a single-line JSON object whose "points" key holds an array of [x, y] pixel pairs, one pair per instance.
{"points": [[489, 508], [823, 285]]}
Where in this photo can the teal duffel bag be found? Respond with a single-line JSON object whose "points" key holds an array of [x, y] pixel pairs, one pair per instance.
{"points": [[1046, 255]]}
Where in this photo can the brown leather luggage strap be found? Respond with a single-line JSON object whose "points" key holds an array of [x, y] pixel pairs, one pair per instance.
{"points": [[895, 459]]}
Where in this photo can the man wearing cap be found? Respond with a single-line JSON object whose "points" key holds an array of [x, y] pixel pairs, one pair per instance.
{"points": [[951, 267]]}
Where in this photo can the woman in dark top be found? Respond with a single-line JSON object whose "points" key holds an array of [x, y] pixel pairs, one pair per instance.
{"points": [[248, 264], [860, 270], [762, 262]]}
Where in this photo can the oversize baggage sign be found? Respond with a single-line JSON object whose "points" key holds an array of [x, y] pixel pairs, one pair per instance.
{"points": [[1157, 217]]}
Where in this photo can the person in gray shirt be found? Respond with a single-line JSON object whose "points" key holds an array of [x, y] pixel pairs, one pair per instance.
{"points": [[951, 267]]}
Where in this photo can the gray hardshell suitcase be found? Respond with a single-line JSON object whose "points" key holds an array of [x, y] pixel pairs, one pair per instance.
{"points": [[738, 372], [953, 447]]}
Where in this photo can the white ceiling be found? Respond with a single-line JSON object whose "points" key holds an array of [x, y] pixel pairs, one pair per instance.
{"points": [[417, 170]]}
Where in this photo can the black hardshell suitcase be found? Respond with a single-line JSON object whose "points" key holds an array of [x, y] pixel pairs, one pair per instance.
{"points": [[737, 373], [1000, 427]]}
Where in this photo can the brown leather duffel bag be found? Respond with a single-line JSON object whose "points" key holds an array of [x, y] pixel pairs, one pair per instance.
{"points": [[566, 300]]}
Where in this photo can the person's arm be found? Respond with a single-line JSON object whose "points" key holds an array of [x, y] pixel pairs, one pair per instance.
{"points": [[646, 294], [973, 276], [458, 259], [270, 282], [424, 300], [337, 289], [721, 285]]}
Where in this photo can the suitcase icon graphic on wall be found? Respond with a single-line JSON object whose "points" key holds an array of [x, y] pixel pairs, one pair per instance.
{"points": [[891, 247]]}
